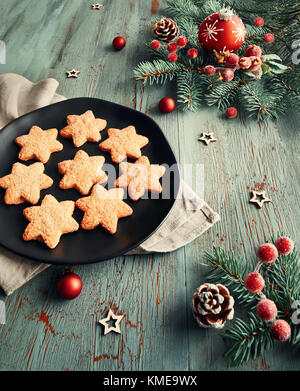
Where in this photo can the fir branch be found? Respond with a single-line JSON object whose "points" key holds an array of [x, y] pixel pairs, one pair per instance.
{"points": [[188, 92], [223, 94], [158, 71]]}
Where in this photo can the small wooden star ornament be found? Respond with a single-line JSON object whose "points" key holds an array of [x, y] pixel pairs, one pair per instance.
{"points": [[97, 6], [207, 138], [259, 198], [73, 74], [116, 327]]}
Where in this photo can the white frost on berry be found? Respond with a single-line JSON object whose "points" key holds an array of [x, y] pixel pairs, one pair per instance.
{"points": [[211, 31]]}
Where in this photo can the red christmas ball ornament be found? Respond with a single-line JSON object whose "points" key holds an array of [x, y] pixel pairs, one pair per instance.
{"points": [[155, 44], [182, 41], [284, 245], [228, 74], [192, 53], [172, 57], [267, 253], [266, 310], [222, 31], [69, 285], [172, 47], [166, 105], [209, 70], [254, 282], [119, 43], [280, 330], [253, 50], [269, 38], [259, 21], [231, 112]]}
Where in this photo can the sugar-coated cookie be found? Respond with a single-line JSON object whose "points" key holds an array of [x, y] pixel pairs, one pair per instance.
{"points": [[82, 172], [123, 142], [103, 207], [38, 144], [50, 220], [139, 177], [25, 183], [83, 128]]}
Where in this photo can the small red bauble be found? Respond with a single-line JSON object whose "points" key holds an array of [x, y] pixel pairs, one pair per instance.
{"points": [[155, 44], [254, 282], [280, 330], [284, 245], [172, 57], [269, 38], [69, 286], [119, 43], [192, 53], [231, 112], [209, 70], [182, 41], [228, 74], [245, 63], [267, 253], [222, 31], [266, 310], [166, 105], [172, 47], [259, 22], [253, 50], [232, 60]]}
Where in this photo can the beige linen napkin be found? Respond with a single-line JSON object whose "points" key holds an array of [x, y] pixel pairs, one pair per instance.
{"points": [[189, 218]]}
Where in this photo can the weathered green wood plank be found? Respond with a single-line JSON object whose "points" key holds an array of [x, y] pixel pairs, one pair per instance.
{"points": [[45, 39]]}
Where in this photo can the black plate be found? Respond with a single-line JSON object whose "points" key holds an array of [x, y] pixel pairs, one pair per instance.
{"points": [[96, 245]]}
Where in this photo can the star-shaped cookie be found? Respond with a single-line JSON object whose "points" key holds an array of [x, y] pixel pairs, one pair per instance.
{"points": [[140, 177], [103, 207], [82, 172], [83, 128], [25, 183], [38, 144], [50, 220], [122, 143]]}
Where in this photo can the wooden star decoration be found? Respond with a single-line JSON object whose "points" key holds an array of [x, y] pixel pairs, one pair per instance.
{"points": [[259, 198], [73, 74], [97, 6], [105, 323], [207, 138]]}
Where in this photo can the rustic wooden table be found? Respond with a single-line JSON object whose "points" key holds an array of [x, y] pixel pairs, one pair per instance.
{"points": [[47, 38]]}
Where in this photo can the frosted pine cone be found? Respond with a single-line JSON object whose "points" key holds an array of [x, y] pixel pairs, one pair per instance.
{"points": [[212, 305], [166, 30]]}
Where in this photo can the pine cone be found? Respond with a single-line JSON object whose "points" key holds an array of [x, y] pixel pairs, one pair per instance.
{"points": [[166, 30], [212, 305]]}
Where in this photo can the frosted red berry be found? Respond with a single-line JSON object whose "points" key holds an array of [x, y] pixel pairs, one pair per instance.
{"points": [[182, 41], [166, 105], [232, 60], [280, 330], [192, 53], [259, 21], [172, 47], [254, 282], [172, 57], [255, 63], [266, 310], [245, 63], [231, 112], [267, 252], [119, 43], [155, 44], [269, 38], [253, 50], [284, 245], [209, 70], [228, 74]]}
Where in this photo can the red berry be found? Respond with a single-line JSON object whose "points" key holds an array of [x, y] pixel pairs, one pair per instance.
{"points": [[209, 70], [269, 38], [231, 112], [255, 63], [266, 310], [284, 245], [166, 105], [267, 252], [69, 286], [232, 60], [192, 53], [172, 47], [228, 74], [245, 63], [253, 50], [155, 44], [172, 57], [259, 22], [182, 41], [254, 282], [280, 330], [119, 43]]}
